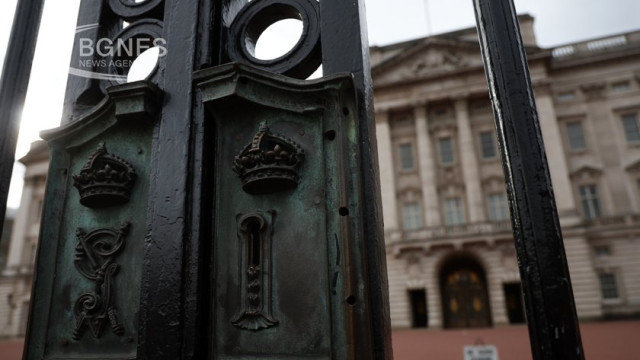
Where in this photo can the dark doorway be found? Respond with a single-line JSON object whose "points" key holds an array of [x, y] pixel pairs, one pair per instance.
{"points": [[419, 308], [513, 302], [465, 300]]}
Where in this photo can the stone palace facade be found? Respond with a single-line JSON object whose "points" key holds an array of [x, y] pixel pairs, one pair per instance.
{"points": [[450, 252]]}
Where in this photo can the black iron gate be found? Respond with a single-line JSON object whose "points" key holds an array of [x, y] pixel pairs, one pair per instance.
{"points": [[174, 293]]}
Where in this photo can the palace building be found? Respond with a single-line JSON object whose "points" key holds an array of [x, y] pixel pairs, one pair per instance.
{"points": [[450, 254]]}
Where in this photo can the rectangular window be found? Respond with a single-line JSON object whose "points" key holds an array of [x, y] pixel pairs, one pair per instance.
{"points": [[406, 156], [608, 286], [445, 145], [630, 123], [602, 250], [590, 201], [498, 209], [620, 86], [566, 96], [453, 212], [488, 145], [412, 216], [576, 136]]}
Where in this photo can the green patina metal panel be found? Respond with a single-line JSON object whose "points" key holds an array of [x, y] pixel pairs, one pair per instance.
{"points": [[87, 286], [287, 238]]}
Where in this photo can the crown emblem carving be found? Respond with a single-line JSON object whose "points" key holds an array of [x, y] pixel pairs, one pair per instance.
{"points": [[105, 180], [269, 163]]}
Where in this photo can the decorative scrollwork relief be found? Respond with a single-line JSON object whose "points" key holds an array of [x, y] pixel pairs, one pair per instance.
{"points": [[96, 253], [254, 233]]}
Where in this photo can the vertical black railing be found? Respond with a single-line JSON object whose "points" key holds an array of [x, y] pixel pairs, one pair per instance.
{"points": [[13, 89], [550, 306]]}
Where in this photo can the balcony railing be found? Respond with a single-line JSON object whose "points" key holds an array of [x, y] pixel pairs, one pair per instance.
{"points": [[469, 229], [497, 227], [596, 45]]}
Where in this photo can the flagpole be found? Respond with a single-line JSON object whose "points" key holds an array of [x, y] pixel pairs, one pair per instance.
{"points": [[427, 17]]}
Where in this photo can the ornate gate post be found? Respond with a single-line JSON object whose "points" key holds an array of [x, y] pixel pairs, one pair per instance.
{"points": [[223, 208]]}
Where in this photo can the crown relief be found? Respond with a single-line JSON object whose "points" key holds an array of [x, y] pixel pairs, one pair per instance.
{"points": [[105, 180], [269, 163]]}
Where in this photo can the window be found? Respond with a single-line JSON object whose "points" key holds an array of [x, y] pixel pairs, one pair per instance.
{"points": [[453, 212], [630, 123], [446, 150], [590, 201], [566, 96], [498, 210], [406, 156], [487, 145], [620, 86], [608, 286], [412, 216], [602, 250], [576, 136]]}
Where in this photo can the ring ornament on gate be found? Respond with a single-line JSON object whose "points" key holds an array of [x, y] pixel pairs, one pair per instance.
{"points": [[132, 42], [133, 9], [305, 56]]}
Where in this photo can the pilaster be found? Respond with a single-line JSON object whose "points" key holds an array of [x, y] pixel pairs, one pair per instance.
{"points": [[387, 176], [20, 229], [469, 162], [558, 168], [427, 169]]}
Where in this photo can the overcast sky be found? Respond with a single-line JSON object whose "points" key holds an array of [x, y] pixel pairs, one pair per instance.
{"points": [[557, 22]]}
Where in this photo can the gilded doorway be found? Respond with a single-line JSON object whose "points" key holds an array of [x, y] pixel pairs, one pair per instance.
{"points": [[465, 300]]}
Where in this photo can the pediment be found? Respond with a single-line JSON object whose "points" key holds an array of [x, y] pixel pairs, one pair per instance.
{"points": [[586, 171], [433, 57]]}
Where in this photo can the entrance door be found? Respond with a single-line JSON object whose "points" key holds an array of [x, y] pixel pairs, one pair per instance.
{"points": [[465, 300], [418, 308], [513, 301]]}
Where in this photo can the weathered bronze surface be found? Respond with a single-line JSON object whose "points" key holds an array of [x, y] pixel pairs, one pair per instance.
{"points": [[87, 285], [234, 251], [106, 180], [269, 163], [285, 262], [96, 254]]}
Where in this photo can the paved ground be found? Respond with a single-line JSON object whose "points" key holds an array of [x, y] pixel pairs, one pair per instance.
{"points": [[602, 341]]}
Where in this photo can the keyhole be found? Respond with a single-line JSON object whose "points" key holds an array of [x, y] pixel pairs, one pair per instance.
{"points": [[255, 243]]}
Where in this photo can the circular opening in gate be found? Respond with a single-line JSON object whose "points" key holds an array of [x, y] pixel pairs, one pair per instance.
{"points": [[273, 32], [144, 65], [278, 39]]}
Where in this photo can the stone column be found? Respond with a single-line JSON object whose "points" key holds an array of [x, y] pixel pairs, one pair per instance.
{"points": [[469, 163], [554, 149], [20, 229], [427, 169], [434, 306], [387, 173]]}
